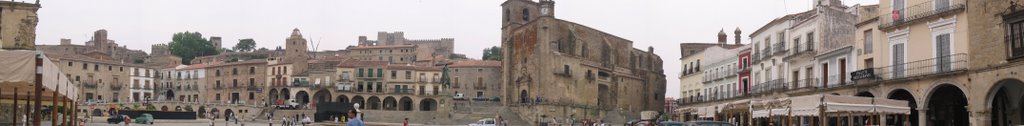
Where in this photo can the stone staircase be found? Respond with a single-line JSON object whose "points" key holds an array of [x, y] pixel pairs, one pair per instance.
{"points": [[280, 114], [487, 110]]}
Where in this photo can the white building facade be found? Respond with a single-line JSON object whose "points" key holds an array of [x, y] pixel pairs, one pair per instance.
{"points": [[142, 83], [720, 73]]}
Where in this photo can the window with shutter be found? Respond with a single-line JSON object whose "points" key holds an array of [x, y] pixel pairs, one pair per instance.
{"points": [[1015, 37], [897, 60], [944, 59], [868, 39]]}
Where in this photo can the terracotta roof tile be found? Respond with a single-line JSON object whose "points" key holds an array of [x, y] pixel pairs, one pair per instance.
{"points": [[476, 63], [383, 46]]}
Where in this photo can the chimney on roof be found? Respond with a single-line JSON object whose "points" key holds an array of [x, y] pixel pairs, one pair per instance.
{"points": [[738, 35], [722, 37]]}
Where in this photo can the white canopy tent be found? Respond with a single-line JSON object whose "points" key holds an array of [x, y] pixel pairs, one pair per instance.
{"points": [[19, 71]]}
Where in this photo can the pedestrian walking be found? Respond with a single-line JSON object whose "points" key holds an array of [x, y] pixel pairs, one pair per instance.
{"points": [[354, 120], [406, 122]]}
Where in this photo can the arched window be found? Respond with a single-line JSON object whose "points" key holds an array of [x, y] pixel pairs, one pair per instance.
{"points": [[526, 14]]}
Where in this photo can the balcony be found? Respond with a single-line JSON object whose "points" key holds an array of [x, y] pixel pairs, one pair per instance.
{"points": [[805, 83], [836, 81], [89, 85], [934, 66], [915, 13], [780, 47], [754, 58], [479, 88], [116, 87], [770, 86], [218, 87], [798, 50], [253, 88], [766, 54], [402, 91]]}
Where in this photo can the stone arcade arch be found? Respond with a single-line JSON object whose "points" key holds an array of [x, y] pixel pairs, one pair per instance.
{"points": [[97, 112], [202, 112], [342, 98], [865, 94], [359, 99], [273, 95], [947, 105], [373, 102], [405, 104], [228, 112], [215, 112], [169, 95], [302, 97], [390, 103], [322, 96], [902, 94], [1004, 103], [285, 94], [428, 104]]}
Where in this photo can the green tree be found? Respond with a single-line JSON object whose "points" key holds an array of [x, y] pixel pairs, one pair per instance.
{"points": [[493, 53], [263, 49], [456, 56], [245, 45], [189, 45]]}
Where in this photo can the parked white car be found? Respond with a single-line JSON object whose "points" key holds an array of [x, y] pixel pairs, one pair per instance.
{"points": [[458, 96], [485, 122]]}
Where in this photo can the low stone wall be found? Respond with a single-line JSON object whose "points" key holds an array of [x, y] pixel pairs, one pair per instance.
{"points": [[419, 117]]}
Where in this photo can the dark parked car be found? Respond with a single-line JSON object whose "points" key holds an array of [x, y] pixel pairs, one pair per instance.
{"points": [[481, 99], [671, 123], [707, 123], [115, 119], [495, 98]]}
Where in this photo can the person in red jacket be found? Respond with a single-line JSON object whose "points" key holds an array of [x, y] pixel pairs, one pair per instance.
{"points": [[406, 122]]}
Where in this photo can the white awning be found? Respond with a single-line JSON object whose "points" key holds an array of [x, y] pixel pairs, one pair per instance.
{"points": [[806, 105], [837, 103], [890, 106], [19, 70]]}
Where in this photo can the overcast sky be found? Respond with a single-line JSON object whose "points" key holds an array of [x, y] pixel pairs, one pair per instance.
{"points": [[335, 24]]}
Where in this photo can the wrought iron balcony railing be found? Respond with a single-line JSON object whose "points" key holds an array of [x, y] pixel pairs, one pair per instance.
{"points": [[780, 47], [927, 9], [805, 83], [116, 87], [89, 85], [933, 66], [798, 49], [402, 91], [253, 88], [754, 58], [766, 54], [769, 86]]}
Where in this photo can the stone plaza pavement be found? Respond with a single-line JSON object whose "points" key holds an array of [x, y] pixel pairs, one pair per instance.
{"points": [[98, 122]]}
